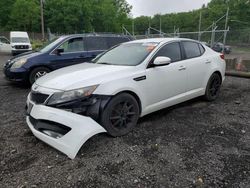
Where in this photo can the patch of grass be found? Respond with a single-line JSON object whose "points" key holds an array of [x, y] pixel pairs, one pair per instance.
{"points": [[37, 44]]}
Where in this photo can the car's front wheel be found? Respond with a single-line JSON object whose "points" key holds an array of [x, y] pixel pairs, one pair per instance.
{"points": [[37, 73], [213, 87], [120, 115]]}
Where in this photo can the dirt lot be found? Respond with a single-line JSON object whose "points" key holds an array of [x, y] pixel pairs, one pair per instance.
{"points": [[195, 144]]}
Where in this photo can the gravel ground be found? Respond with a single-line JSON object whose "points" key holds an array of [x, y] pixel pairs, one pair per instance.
{"points": [[194, 144]]}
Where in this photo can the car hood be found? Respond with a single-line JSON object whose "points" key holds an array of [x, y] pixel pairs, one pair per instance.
{"points": [[25, 55], [82, 75]]}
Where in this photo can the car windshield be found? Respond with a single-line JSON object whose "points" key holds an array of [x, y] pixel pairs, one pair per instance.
{"points": [[128, 54], [20, 40], [49, 45]]}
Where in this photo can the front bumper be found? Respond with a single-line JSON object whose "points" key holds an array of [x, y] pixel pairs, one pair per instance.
{"points": [[17, 75], [81, 128], [19, 51]]}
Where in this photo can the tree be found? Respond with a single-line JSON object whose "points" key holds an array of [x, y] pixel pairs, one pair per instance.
{"points": [[6, 6], [24, 16]]}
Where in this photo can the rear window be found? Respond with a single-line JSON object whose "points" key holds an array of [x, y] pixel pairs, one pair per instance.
{"points": [[192, 49], [96, 43]]}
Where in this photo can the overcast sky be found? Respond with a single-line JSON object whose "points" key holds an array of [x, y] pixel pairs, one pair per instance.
{"points": [[152, 7]]}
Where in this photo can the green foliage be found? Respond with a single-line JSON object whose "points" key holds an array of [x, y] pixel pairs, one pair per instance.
{"points": [[37, 44], [64, 16], [78, 16], [5, 9], [24, 15]]}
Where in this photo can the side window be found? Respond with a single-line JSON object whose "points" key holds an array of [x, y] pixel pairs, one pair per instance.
{"points": [[202, 49], [113, 41], [73, 45], [4, 40], [173, 51], [96, 43], [192, 49]]}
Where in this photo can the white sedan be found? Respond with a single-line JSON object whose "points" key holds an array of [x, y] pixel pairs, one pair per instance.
{"points": [[68, 106]]}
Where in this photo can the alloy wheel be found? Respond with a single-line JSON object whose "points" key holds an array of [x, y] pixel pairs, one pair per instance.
{"points": [[122, 114]]}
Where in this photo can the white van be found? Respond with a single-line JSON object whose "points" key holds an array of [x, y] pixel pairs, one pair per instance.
{"points": [[20, 42]]}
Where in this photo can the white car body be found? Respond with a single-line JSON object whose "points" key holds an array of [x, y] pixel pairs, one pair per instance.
{"points": [[5, 46], [156, 88], [20, 42]]}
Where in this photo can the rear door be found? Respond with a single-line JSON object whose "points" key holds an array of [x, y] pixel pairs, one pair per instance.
{"points": [[74, 52], [197, 64]]}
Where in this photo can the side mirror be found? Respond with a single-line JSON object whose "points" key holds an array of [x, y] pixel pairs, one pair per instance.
{"points": [[161, 61], [59, 51]]}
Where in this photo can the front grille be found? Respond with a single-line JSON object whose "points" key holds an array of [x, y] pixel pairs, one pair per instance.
{"points": [[38, 98], [45, 125], [22, 47]]}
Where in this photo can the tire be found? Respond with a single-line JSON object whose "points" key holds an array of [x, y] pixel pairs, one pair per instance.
{"points": [[213, 87], [34, 74], [120, 115]]}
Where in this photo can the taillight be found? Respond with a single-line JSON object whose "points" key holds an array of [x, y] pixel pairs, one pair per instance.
{"points": [[222, 56]]}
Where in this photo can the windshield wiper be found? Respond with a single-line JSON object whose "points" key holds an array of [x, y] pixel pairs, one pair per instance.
{"points": [[104, 63]]}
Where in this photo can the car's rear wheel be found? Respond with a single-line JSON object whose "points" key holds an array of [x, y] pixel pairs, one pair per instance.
{"points": [[213, 87], [37, 73], [120, 115]]}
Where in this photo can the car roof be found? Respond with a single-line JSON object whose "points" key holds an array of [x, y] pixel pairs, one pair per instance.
{"points": [[18, 34], [159, 40], [96, 35]]}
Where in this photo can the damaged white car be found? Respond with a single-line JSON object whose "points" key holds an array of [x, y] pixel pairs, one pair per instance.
{"points": [[68, 106]]}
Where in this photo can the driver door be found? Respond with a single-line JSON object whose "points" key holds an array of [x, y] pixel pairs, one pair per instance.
{"points": [[74, 52], [165, 83]]}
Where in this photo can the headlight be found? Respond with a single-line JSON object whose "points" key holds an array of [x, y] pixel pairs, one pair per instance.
{"points": [[67, 96], [18, 63]]}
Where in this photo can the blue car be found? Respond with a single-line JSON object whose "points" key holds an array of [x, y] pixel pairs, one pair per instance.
{"points": [[62, 52]]}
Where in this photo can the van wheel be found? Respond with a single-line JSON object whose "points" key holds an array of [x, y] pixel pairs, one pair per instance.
{"points": [[213, 87], [37, 73], [120, 115]]}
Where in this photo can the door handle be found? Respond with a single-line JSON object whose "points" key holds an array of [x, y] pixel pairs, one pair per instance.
{"points": [[207, 61], [81, 55], [181, 68]]}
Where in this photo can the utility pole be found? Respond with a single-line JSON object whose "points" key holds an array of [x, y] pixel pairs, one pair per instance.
{"points": [[149, 27], [199, 36], [226, 27], [160, 25], [213, 34], [42, 20], [133, 28]]}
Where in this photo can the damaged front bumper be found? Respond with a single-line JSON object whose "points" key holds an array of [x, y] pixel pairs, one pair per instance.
{"points": [[61, 129]]}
